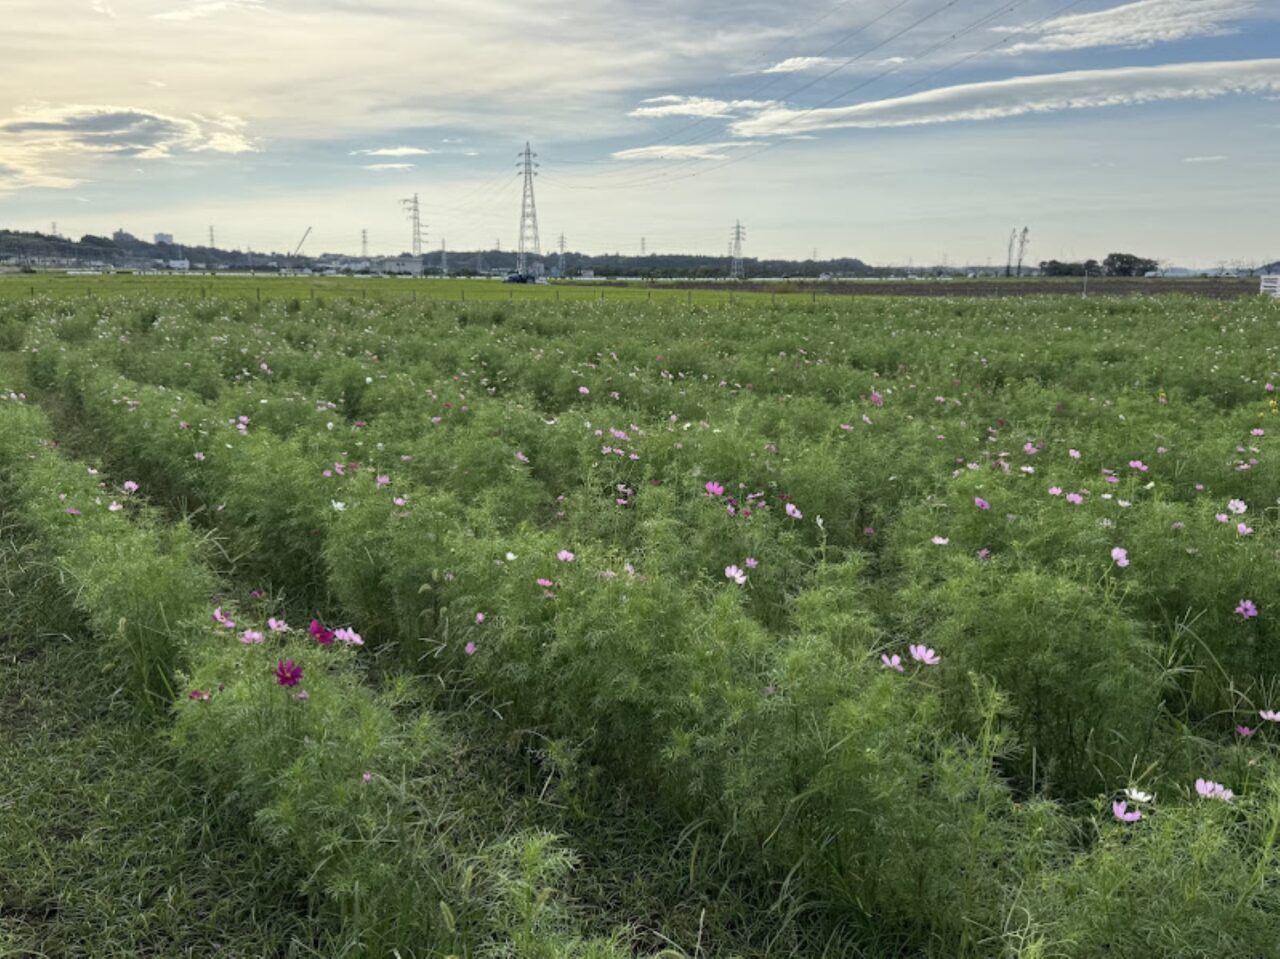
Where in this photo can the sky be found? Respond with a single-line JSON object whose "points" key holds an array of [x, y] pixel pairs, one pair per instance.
{"points": [[896, 131]]}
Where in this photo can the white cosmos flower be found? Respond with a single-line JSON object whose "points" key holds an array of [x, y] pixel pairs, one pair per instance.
{"points": [[1137, 795], [338, 505]]}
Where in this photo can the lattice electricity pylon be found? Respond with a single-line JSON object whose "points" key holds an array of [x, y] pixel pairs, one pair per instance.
{"points": [[738, 235], [529, 245]]}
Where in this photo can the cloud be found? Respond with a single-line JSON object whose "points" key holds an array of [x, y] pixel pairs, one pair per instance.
{"points": [[677, 106], [49, 146], [100, 6], [691, 151], [1139, 24], [206, 8], [393, 152], [1214, 158], [388, 167], [1046, 93], [802, 64]]}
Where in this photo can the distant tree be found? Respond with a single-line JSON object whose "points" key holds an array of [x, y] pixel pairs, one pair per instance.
{"points": [[1127, 264]]}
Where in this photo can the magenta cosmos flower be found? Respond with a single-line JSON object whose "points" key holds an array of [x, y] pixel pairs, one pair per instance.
{"points": [[1122, 812], [1246, 609], [323, 636], [288, 673], [876, 398], [979, 502], [714, 488]]}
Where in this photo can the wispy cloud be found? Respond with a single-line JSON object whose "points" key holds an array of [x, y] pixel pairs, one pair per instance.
{"points": [[1212, 158], [677, 106], [1046, 93], [389, 167], [104, 8], [206, 8], [393, 152], [45, 146], [803, 64], [691, 151], [1142, 23]]}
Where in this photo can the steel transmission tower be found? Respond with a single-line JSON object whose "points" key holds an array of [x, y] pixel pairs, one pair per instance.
{"points": [[529, 246], [414, 212], [738, 235], [1022, 247], [444, 258], [364, 244], [212, 244], [560, 264]]}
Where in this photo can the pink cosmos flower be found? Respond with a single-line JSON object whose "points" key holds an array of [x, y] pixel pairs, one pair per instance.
{"points": [[1121, 811], [868, 531], [521, 457], [277, 625], [1246, 609], [1257, 431], [1212, 790], [115, 507], [979, 502], [1270, 387], [876, 399], [1238, 506], [130, 486], [183, 424], [1120, 556], [1270, 715], [349, 636], [1074, 454], [923, 654], [469, 649], [1075, 499], [983, 554], [714, 488], [1244, 530], [735, 574], [1222, 517], [288, 673], [752, 562], [222, 619], [323, 636], [383, 480], [367, 777], [892, 662], [545, 583], [565, 556], [251, 637], [198, 694], [479, 618], [1245, 731], [302, 695], [1055, 490], [583, 390], [794, 512], [399, 501], [1030, 449], [1138, 465]]}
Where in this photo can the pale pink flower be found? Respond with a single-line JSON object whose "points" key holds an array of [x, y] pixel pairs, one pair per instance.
{"points": [[115, 507], [752, 562], [1212, 790], [521, 457], [469, 649], [1074, 454], [1238, 506], [1055, 490], [923, 654], [1075, 499], [383, 480], [349, 636], [583, 390], [565, 556], [735, 574], [479, 618], [1120, 556], [979, 502], [277, 625], [1245, 731], [251, 637], [876, 399], [1246, 609], [794, 512], [545, 583], [1270, 715], [1121, 811], [940, 541], [198, 456], [130, 486], [1138, 465], [1244, 530], [892, 662]]}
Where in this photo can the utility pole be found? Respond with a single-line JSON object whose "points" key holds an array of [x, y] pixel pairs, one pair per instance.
{"points": [[560, 264], [642, 246], [529, 246], [1022, 247], [739, 234], [364, 244], [53, 228], [444, 259], [414, 212], [1008, 263], [212, 245]]}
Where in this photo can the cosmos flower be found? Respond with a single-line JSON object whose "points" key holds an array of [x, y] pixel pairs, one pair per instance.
{"points": [[794, 512], [115, 507], [979, 502], [940, 541], [130, 486], [1212, 790], [1238, 506], [714, 488], [752, 562], [565, 556], [584, 391], [521, 457], [1246, 609], [251, 637], [1245, 731], [479, 618], [383, 480], [288, 673], [469, 649], [892, 662], [1137, 795], [277, 625], [1120, 556], [735, 574], [1121, 811], [923, 654], [348, 635], [322, 635], [876, 399], [1270, 715], [1055, 490], [1075, 499]]}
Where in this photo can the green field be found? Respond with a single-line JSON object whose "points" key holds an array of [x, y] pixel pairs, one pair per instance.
{"points": [[367, 625]]}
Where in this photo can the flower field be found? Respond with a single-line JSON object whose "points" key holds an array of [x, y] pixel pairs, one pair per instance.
{"points": [[912, 628]]}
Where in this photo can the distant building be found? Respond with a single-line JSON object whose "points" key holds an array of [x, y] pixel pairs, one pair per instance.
{"points": [[179, 264], [587, 274], [120, 236], [410, 265], [164, 238]]}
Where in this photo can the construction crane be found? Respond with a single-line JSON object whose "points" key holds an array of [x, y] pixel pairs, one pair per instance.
{"points": [[302, 241]]}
